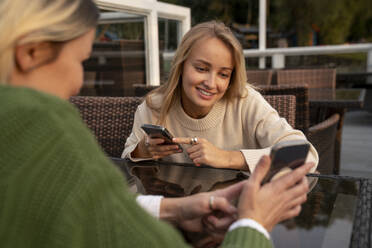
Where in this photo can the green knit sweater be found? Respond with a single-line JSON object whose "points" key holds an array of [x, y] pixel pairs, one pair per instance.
{"points": [[57, 188]]}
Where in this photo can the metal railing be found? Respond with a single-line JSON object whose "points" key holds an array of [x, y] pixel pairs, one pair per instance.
{"points": [[278, 55]]}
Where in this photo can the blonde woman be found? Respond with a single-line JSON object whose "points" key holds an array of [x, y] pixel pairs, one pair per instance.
{"points": [[208, 106], [57, 187]]}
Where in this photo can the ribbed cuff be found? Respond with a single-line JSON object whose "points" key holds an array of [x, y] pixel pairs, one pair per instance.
{"points": [[151, 203], [128, 154], [250, 223]]}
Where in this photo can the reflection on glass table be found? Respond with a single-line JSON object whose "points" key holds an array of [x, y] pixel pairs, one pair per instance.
{"points": [[329, 217], [337, 98], [336, 214]]}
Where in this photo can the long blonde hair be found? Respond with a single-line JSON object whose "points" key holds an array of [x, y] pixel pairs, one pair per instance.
{"points": [[171, 90], [32, 21]]}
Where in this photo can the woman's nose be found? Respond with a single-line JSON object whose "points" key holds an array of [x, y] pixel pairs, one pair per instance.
{"points": [[210, 81]]}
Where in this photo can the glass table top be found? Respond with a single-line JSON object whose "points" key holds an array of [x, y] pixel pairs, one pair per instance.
{"points": [[326, 219], [338, 97], [336, 214]]}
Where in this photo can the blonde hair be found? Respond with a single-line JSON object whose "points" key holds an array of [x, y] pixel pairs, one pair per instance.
{"points": [[171, 90], [32, 21]]}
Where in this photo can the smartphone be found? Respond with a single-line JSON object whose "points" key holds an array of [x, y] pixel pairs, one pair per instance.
{"points": [[156, 131], [291, 154]]}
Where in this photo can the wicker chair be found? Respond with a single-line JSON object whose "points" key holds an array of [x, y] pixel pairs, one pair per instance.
{"points": [[259, 77], [302, 101], [323, 137], [110, 119], [285, 105], [315, 78]]}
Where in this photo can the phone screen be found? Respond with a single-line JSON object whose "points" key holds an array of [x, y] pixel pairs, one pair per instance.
{"points": [[290, 154], [156, 131]]}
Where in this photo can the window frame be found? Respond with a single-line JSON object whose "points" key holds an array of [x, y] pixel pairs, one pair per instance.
{"points": [[152, 10]]}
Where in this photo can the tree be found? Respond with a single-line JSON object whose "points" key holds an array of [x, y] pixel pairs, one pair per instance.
{"points": [[222, 10], [361, 28], [339, 21]]}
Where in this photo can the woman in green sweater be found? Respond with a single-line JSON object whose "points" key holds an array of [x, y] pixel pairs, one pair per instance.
{"points": [[58, 189]]}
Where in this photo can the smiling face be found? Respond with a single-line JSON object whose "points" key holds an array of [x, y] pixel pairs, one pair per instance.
{"points": [[206, 75]]}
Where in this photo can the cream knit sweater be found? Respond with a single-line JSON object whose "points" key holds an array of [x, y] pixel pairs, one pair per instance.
{"points": [[247, 124]]}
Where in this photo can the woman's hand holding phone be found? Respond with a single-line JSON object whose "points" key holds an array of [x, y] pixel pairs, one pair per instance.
{"points": [[157, 143], [286, 156], [274, 201], [157, 149], [202, 151]]}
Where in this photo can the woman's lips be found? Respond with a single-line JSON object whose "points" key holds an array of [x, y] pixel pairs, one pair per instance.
{"points": [[205, 94]]}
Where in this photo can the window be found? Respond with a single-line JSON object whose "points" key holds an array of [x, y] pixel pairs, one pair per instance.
{"points": [[126, 49], [169, 38], [118, 58]]}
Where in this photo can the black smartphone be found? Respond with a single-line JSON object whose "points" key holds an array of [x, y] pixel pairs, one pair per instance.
{"points": [[291, 154], [156, 131]]}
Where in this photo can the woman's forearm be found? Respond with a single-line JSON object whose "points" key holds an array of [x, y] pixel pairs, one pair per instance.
{"points": [[237, 161], [170, 210], [167, 209]]}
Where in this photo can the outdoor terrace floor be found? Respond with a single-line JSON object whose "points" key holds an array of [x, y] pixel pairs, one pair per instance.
{"points": [[356, 150]]}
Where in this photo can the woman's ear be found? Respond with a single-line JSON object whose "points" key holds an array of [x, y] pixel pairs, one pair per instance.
{"points": [[32, 55]]}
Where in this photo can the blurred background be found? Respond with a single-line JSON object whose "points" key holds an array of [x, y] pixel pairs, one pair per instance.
{"points": [[292, 23], [123, 54], [136, 40]]}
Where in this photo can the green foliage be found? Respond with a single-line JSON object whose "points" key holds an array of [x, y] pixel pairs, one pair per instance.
{"points": [[222, 10], [362, 23], [359, 57], [337, 21], [296, 15]]}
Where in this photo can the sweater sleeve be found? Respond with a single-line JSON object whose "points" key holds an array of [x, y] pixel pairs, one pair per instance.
{"points": [[60, 190], [267, 129], [70, 193], [114, 220], [142, 116], [239, 237], [101, 212]]}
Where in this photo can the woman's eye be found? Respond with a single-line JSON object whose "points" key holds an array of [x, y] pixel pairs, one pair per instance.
{"points": [[225, 75], [200, 69]]}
